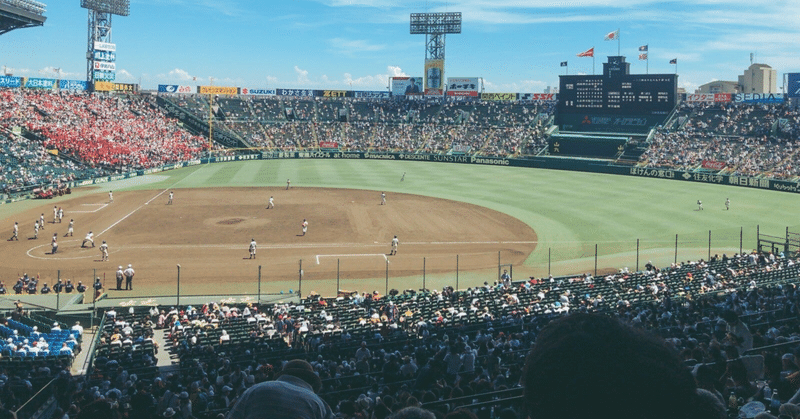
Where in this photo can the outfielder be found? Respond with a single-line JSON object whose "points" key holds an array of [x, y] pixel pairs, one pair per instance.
{"points": [[110, 196], [60, 214], [41, 221], [89, 238], [699, 205], [119, 276], [383, 198], [36, 229], [305, 226], [402, 178], [395, 242], [727, 203], [253, 246], [287, 184], [70, 228], [271, 203], [104, 251], [55, 214]]}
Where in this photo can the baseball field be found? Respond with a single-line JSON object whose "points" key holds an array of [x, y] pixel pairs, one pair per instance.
{"points": [[456, 224]]}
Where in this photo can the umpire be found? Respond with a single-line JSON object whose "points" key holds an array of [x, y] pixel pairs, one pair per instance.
{"points": [[129, 273], [120, 275]]}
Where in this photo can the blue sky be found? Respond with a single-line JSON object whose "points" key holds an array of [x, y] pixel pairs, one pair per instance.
{"points": [[515, 46]]}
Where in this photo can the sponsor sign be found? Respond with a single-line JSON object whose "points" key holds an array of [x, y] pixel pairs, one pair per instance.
{"points": [[328, 144], [73, 85], [217, 90], [463, 86], [333, 93], [103, 66], [537, 96], [434, 77], [709, 97], [262, 92], [402, 86], [104, 75], [758, 97], [10, 81], [174, 88], [713, 164], [105, 86], [105, 46], [372, 95], [461, 148], [34, 83], [498, 96], [295, 92], [104, 55], [793, 85]]}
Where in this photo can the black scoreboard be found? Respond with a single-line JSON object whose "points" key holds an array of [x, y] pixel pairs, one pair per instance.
{"points": [[615, 101]]}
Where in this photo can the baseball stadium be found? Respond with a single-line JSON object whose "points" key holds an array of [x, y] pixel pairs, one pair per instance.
{"points": [[419, 252]]}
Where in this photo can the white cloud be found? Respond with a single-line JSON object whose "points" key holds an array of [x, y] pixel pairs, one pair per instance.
{"points": [[351, 47], [522, 86], [177, 74], [125, 76], [302, 76]]}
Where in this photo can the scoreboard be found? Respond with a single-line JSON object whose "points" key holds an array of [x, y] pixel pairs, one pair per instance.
{"points": [[615, 101]]}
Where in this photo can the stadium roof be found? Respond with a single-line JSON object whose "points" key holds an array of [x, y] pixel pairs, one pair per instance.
{"points": [[17, 14]]}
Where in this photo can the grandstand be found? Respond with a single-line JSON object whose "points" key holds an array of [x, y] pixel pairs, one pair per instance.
{"points": [[18, 14]]}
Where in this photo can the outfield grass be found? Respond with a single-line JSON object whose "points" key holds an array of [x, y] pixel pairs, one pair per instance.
{"points": [[570, 211]]}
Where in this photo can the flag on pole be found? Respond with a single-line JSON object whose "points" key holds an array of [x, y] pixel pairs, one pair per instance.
{"points": [[673, 61], [612, 35], [588, 53], [563, 64], [643, 48], [643, 56]]}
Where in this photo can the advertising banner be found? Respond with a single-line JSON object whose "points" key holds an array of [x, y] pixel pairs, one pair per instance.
{"points": [[328, 144], [104, 55], [372, 94], [10, 81], [793, 85], [434, 77], [34, 83], [713, 164], [261, 92], [103, 66], [538, 97], [758, 97], [104, 75], [708, 97], [333, 93], [463, 86], [295, 92], [105, 46], [174, 88], [402, 86], [80, 85], [105, 86], [498, 96], [217, 90]]}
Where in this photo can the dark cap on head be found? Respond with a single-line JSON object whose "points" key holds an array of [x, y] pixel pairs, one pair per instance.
{"points": [[302, 370]]}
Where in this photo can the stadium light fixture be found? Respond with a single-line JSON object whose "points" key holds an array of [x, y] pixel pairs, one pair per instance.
{"points": [[435, 23], [114, 7], [27, 5]]}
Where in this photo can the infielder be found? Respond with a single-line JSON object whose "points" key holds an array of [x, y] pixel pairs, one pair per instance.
{"points": [[110, 196], [305, 226], [55, 214], [727, 203], [271, 203], [699, 205], [104, 251], [54, 244], [36, 229], [15, 236], [253, 246], [120, 275], [383, 198], [395, 242], [41, 221], [129, 273], [89, 238], [70, 228], [60, 214], [171, 194]]}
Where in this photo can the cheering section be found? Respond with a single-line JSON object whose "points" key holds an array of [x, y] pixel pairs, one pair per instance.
{"points": [[115, 131]]}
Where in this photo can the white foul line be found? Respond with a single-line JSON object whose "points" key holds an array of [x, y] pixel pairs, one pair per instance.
{"points": [[98, 209], [354, 255]]}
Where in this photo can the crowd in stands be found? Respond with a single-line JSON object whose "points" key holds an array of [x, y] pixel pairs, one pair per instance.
{"points": [[730, 324], [748, 139]]}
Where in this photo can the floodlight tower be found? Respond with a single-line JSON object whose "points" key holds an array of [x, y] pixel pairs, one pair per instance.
{"points": [[435, 26], [101, 52]]}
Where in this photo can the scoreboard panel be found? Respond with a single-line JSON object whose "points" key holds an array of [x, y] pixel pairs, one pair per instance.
{"points": [[615, 101]]}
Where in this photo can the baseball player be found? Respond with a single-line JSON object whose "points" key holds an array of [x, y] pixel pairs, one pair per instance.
{"points": [[119, 277], [15, 236], [104, 251], [129, 273], [305, 226], [288, 183], [36, 229], [271, 203], [54, 244], [70, 228], [402, 178], [60, 214], [383, 198], [699, 205], [253, 246], [110, 196], [727, 203], [55, 213], [171, 194], [41, 221], [89, 238], [395, 242]]}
